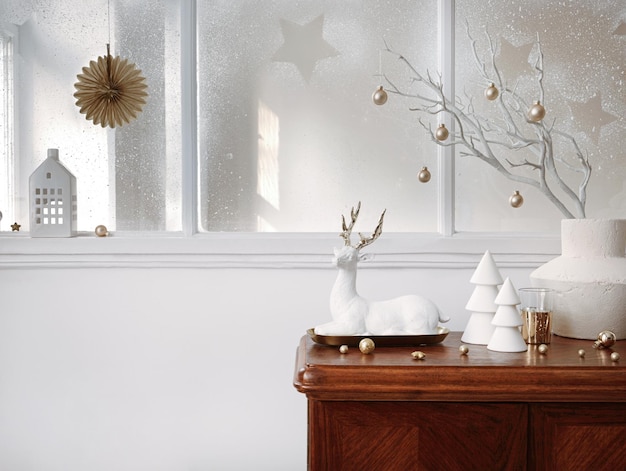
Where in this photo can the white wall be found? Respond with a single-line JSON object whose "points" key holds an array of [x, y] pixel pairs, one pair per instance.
{"points": [[172, 369]]}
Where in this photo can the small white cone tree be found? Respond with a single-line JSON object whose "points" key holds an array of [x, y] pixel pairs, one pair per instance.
{"points": [[487, 278], [507, 336]]}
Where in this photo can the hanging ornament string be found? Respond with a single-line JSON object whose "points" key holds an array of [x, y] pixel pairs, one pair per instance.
{"points": [[380, 95], [111, 91]]}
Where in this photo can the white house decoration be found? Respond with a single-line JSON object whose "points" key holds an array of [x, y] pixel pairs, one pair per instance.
{"points": [[52, 199]]}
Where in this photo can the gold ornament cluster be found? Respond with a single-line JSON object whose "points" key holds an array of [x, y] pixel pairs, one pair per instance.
{"points": [[111, 91]]}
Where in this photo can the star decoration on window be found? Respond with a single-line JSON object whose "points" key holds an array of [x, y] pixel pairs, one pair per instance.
{"points": [[304, 45], [590, 116], [15, 227], [514, 59]]}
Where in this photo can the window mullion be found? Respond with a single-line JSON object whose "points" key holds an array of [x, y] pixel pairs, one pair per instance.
{"points": [[445, 155], [189, 117]]}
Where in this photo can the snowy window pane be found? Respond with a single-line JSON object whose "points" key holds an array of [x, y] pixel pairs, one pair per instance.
{"points": [[583, 45], [288, 134], [129, 177]]}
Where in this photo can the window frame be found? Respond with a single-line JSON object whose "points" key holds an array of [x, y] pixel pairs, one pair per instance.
{"points": [[191, 248]]}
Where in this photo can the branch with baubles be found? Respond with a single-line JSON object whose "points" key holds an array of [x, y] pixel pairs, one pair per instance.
{"points": [[516, 123]]}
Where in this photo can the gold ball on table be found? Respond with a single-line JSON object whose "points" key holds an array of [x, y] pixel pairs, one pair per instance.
{"points": [[418, 355], [614, 356], [606, 339], [581, 353], [101, 231], [367, 346], [380, 96], [463, 349], [343, 349], [543, 348]]}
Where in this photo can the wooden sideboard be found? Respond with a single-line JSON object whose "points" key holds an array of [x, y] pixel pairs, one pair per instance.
{"points": [[484, 411]]}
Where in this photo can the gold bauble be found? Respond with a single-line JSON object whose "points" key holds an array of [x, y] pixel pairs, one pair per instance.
{"points": [[614, 356], [491, 92], [543, 348], [111, 91], [418, 355], [582, 353], [536, 112], [380, 96], [101, 231], [442, 132], [367, 346], [516, 200], [606, 339], [424, 175], [463, 349], [343, 349]]}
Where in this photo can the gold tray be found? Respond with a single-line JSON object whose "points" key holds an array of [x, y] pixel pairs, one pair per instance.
{"points": [[380, 340]]}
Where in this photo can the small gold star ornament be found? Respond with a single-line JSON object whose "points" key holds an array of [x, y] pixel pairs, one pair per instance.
{"points": [[15, 227]]}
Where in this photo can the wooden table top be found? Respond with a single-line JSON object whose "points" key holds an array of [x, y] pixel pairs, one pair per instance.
{"points": [[391, 373]]}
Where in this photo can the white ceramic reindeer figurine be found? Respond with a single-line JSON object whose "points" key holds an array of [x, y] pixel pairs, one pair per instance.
{"points": [[354, 315]]}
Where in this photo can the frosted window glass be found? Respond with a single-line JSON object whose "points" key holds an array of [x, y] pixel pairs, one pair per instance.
{"points": [[289, 137], [584, 49], [127, 178]]}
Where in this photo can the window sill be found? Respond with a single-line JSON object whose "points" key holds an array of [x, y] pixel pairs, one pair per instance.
{"points": [[270, 250]]}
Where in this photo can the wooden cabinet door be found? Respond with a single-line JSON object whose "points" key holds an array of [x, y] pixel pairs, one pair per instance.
{"points": [[407, 436], [578, 436]]}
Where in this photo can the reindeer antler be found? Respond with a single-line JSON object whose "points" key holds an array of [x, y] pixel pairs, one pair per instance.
{"points": [[375, 235], [347, 230]]}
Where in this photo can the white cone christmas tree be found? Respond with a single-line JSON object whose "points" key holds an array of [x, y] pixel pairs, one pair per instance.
{"points": [[506, 336], [482, 302]]}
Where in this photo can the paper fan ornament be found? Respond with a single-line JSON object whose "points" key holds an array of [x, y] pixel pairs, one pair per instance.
{"points": [[111, 91]]}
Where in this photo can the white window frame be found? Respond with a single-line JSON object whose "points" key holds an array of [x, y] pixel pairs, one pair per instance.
{"points": [[189, 248]]}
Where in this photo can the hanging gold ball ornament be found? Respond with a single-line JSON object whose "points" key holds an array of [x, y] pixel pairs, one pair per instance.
{"points": [[380, 96], [491, 92], [516, 199], [424, 175], [442, 132], [536, 112], [101, 231], [111, 91], [366, 346]]}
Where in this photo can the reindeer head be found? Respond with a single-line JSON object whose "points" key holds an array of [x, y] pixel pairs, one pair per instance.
{"points": [[347, 231]]}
